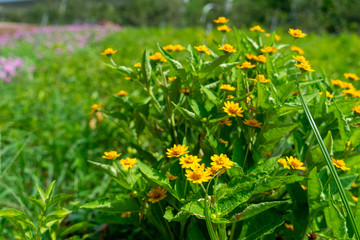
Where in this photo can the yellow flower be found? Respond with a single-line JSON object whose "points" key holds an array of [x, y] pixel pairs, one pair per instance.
{"points": [[221, 161], [289, 226], [157, 56], [111, 155], [297, 33], [171, 79], [178, 47], [108, 52], [177, 151], [277, 37], [156, 194], [215, 169], [184, 90], [125, 214], [295, 163], [303, 187], [257, 28], [227, 87], [95, 108], [221, 20], [251, 56], [253, 123], [203, 48], [137, 65], [225, 121], [352, 76], [189, 161], [128, 78], [246, 65], [233, 109], [169, 47], [223, 141], [223, 28], [342, 84], [227, 48], [262, 79], [260, 58], [269, 50], [128, 162], [230, 96], [297, 49], [283, 162], [300, 58], [198, 174], [339, 164], [329, 95], [122, 93], [305, 66], [171, 177], [356, 109]]}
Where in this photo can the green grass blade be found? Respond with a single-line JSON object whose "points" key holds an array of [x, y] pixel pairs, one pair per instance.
{"points": [[329, 163]]}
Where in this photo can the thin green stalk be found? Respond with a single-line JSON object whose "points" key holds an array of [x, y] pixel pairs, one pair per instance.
{"points": [[207, 216], [232, 234], [329, 163], [167, 224]]}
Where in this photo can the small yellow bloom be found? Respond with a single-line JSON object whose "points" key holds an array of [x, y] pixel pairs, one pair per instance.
{"points": [[269, 50], [233, 109], [339, 164], [305, 66], [198, 174], [303, 187], [342, 84], [128, 78], [226, 122], [230, 96], [111, 155], [261, 78], [246, 65], [296, 33], [283, 162], [122, 93], [257, 28], [297, 49], [223, 28], [95, 108], [300, 58], [156, 194], [178, 47], [223, 141], [171, 177], [277, 37], [221, 20], [227, 87], [171, 79], [356, 109], [169, 47], [251, 56], [295, 163], [352, 76], [329, 95], [157, 56], [184, 90], [189, 161], [253, 123], [125, 214], [227, 48], [108, 52], [354, 185], [221, 161], [355, 198], [215, 169], [203, 48], [289, 226], [137, 65], [177, 151], [128, 163]]}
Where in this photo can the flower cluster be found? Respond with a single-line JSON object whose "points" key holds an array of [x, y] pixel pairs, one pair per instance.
{"points": [[292, 162]]}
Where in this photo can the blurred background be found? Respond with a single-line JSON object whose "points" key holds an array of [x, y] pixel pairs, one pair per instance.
{"points": [[312, 15]]}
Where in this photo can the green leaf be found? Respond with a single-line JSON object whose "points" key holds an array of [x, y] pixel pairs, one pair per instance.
{"points": [[267, 183], [238, 155], [254, 209], [122, 203], [268, 165], [195, 208], [214, 143], [207, 67], [18, 218], [76, 227], [227, 66], [49, 191], [346, 181], [156, 177], [177, 66], [261, 225], [186, 113], [113, 173], [146, 67], [315, 155], [41, 194], [335, 220], [38, 202], [179, 217], [198, 109], [58, 198], [211, 96], [343, 124], [128, 72], [315, 194], [53, 218], [271, 134]]}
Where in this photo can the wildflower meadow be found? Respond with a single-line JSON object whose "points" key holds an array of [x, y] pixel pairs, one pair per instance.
{"points": [[125, 133]]}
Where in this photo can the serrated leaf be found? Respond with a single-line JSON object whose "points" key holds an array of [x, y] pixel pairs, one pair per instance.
{"points": [[208, 67], [122, 203], [211, 96], [198, 109], [179, 217]]}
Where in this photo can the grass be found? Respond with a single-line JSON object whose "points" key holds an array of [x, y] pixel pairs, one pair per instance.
{"points": [[44, 117]]}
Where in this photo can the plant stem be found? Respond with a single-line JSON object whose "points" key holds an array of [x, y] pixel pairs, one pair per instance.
{"points": [[232, 230], [167, 224], [329, 162], [207, 216]]}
